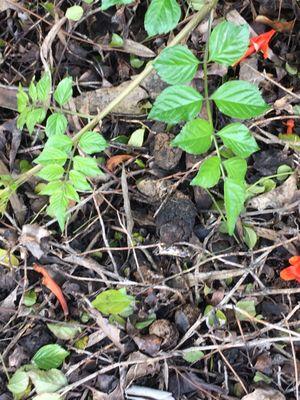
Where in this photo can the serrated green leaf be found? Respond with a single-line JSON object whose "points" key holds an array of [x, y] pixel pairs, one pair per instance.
{"points": [[51, 155], [32, 91], [61, 142], [113, 301], [33, 117], [238, 138], [21, 121], [64, 91], [70, 192], [176, 65], [51, 172], [228, 42], [43, 88], [18, 383], [87, 166], [192, 355], [22, 99], [92, 142], [195, 137], [74, 13], [250, 237], [162, 16], [248, 306], [51, 188], [30, 298], [259, 376], [64, 332], [47, 381], [58, 207], [56, 124], [79, 181], [236, 168], [239, 99], [234, 196], [50, 356], [110, 3], [209, 173], [137, 138], [176, 103]]}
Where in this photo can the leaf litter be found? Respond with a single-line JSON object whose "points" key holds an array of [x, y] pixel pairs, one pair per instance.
{"points": [[157, 300]]}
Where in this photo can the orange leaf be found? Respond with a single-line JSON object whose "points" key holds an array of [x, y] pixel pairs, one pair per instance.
{"points": [[114, 161], [53, 287]]}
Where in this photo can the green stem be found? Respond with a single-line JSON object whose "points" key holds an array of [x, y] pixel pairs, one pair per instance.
{"points": [[197, 18], [207, 99]]}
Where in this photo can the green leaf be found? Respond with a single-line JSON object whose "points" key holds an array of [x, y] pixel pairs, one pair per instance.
{"points": [[58, 207], [92, 142], [234, 196], [7, 259], [48, 396], [195, 137], [250, 237], [136, 62], [162, 16], [33, 117], [61, 142], [259, 376], [228, 43], [110, 3], [64, 91], [239, 99], [50, 356], [29, 298], [248, 306], [74, 13], [64, 332], [176, 65], [43, 88], [116, 40], [51, 172], [18, 383], [283, 172], [236, 168], [70, 192], [22, 99], [137, 138], [113, 301], [87, 166], [21, 121], [209, 173], [197, 4], [47, 381], [238, 138], [215, 318], [192, 355], [56, 124], [51, 155], [32, 92], [79, 181], [176, 103]]}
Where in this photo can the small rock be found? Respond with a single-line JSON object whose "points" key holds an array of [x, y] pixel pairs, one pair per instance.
{"points": [[166, 331], [264, 394], [165, 156]]}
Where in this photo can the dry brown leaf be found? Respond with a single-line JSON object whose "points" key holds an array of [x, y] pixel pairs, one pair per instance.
{"points": [[6, 4], [114, 161], [264, 394], [281, 196], [31, 237], [115, 394], [98, 99], [129, 46], [279, 26], [139, 370]]}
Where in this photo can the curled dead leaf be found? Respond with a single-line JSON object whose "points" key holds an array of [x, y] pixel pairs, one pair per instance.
{"points": [[114, 161], [31, 237], [279, 26]]}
